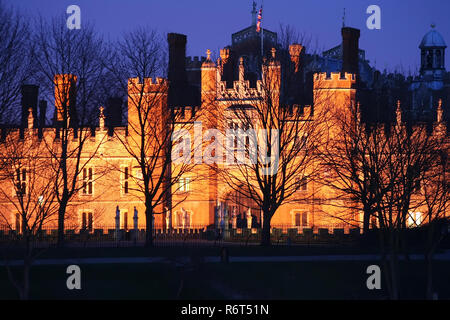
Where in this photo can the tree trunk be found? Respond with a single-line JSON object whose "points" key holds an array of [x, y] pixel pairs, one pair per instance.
{"points": [[393, 263], [265, 233], [366, 221], [61, 220], [25, 294], [148, 226]]}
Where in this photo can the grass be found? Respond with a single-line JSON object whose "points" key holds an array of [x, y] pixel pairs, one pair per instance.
{"points": [[174, 251], [299, 280]]}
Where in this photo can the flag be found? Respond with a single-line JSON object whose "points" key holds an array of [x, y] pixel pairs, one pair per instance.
{"points": [[258, 25]]}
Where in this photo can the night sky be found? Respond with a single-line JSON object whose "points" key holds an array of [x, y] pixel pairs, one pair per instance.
{"points": [[210, 23]]}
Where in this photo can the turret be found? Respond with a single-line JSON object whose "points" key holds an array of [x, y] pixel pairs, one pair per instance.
{"points": [[209, 80], [272, 77]]}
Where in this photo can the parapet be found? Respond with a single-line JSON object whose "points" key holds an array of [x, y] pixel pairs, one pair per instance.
{"points": [[176, 39], [159, 85], [194, 62], [334, 80], [186, 113]]}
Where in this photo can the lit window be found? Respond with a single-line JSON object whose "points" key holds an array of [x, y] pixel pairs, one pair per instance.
{"points": [[300, 142], [124, 220], [18, 222], [125, 180], [87, 221], [184, 184], [415, 219], [87, 181], [138, 173], [302, 183], [21, 182], [301, 219]]}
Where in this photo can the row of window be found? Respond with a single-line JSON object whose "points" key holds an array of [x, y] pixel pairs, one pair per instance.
{"points": [[86, 220], [184, 183]]}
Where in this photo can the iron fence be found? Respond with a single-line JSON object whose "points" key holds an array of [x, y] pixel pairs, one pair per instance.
{"points": [[195, 235]]}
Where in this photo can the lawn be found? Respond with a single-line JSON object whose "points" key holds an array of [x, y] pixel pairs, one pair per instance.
{"points": [[292, 280]]}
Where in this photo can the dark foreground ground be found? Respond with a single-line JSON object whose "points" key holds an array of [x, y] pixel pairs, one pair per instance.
{"points": [[198, 279]]}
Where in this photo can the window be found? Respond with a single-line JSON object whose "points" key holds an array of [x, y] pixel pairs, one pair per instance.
{"points": [[373, 222], [415, 219], [124, 220], [301, 219], [300, 142], [125, 180], [418, 187], [138, 173], [87, 181], [183, 219], [184, 184], [87, 221], [302, 183], [18, 222], [21, 182]]}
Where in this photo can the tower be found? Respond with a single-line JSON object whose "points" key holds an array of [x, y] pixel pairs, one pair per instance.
{"points": [[432, 50], [429, 87], [208, 81], [65, 99]]}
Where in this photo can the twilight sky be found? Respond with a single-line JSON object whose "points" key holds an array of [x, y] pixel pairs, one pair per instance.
{"points": [[210, 23]]}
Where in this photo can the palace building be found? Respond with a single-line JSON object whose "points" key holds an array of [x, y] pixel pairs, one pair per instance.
{"points": [[234, 80]]}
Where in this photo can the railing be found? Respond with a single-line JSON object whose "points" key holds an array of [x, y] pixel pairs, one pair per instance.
{"points": [[108, 236]]}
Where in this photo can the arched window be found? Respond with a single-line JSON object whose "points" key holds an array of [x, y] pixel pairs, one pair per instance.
{"points": [[439, 59], [430, 59]]}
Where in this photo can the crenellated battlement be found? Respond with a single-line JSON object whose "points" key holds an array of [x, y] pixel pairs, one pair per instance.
{"points": [[184, 114], [241, 90], [158, 85], [334, 80], [194, 62]]}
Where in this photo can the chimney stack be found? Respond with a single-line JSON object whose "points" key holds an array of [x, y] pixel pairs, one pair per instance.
{"points": [[42, 113], [177, 68], [65, 98], [295, 51], [114, 112], [29, 100], [350, 50]]}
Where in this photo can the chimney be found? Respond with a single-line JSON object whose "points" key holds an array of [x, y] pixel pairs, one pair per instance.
{"points": [[29, 101], [295, 51], [177, 68], [114, 112], [350, 50], [42, 113], [65, 98], [31, 119]]}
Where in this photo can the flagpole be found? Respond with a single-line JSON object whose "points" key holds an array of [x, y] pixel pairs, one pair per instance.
{"points": [[262, 31]]}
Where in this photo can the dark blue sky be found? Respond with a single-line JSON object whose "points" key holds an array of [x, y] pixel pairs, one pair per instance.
{"points": [[209, 23]]}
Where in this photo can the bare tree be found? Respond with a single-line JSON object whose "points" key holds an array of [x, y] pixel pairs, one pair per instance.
{"points": [[138, 58], [16, 53], [70, 65], [378, 168], [272, 139], [434, 190], [28, 201]]}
